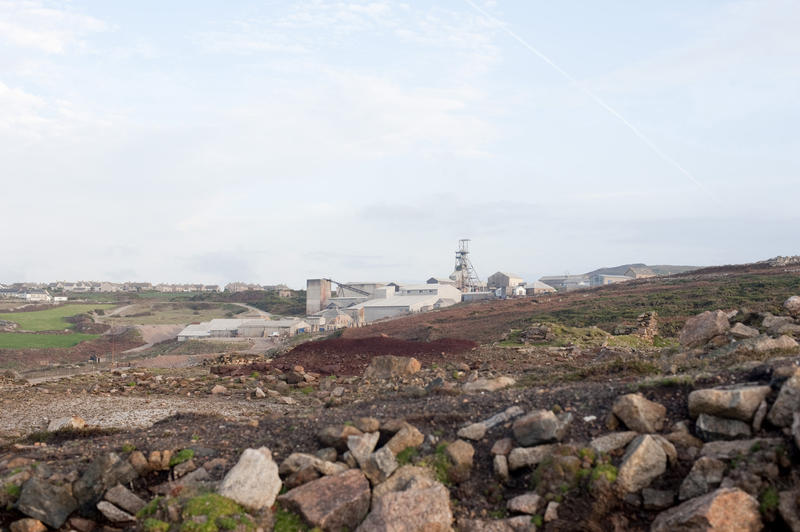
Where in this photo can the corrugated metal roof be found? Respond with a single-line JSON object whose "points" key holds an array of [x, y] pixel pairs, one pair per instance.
{"points": [[225, 324], [420, 286], [398, 301]]}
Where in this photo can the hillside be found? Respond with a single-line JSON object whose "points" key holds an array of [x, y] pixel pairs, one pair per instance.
{"points": [[658, 269], [760, 287]]}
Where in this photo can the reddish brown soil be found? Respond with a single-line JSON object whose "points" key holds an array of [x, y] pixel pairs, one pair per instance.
{"points": [[344, 356], [102, 347]]}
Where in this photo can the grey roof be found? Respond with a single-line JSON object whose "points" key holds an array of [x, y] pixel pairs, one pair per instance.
{"points": [[540, 285], [398, 301], [508, 275]]}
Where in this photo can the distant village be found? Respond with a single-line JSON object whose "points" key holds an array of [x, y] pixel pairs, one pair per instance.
{"points": [[60, 291]]}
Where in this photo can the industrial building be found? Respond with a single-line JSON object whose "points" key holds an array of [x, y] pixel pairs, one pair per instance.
{"points": [[365, 302], [538, 288], [244, 328], [566, 283], [506, 284], [602, 279]]}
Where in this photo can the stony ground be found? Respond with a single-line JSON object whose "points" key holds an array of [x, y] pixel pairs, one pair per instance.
{"points": [[543, 427]]}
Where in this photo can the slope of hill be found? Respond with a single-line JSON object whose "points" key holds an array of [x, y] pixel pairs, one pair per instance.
{"points": [[759, 287], [658, 269]]}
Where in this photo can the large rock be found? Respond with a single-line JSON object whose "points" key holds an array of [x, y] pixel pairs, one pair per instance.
{"points": [[488, 385], [787, 403], [405, 478], [412, 510], [711, 428], [253, 482], [792, 306], [461, 455], [473, 431], [740, 331], [736, 402], [67, 423], [361, 446], [763, 344], [114, 514], [28, 525], [336, 436], [500, 467], [528, 456], [727, 450], [540, 426], [774, 323], [407, 436], [297, 462], [476, 431], [638, 413], [701, 328], [723, 510], [612, 441], [331, 503], [124, 498], [390, 366], [527, 503], [48, 503], [644, 460], [706, 474], [379, 465], [105, 472], [657, 499]]}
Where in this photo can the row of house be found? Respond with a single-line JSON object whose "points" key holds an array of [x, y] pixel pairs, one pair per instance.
{"points": [[281, 289], [31, 295], [84, 287]]}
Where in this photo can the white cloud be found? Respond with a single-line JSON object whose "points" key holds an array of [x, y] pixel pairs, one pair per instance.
{"points": [[26, 117], [318, 25], [47, 26], [741, 59]]}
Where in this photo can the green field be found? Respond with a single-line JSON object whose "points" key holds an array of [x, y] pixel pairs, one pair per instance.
{"points": [[50, 319], [42, 341], [173, 312]]}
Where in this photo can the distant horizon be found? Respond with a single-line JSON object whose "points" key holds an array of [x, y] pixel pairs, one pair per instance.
{"points": [[527, 279]]}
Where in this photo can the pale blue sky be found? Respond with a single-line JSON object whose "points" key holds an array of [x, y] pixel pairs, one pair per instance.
{"points": [[275, 141]]}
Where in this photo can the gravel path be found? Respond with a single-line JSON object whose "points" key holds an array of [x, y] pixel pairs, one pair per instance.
{"points": [[152, 334], [24, 412]]}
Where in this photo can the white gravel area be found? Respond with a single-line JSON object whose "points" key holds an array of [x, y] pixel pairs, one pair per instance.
{"points": [[34, 413]]}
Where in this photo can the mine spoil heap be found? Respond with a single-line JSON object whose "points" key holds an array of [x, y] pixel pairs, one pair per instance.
{"points": [[470, 451]]}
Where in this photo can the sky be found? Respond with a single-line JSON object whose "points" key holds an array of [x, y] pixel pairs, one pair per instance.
{"points": [[275, 141]]}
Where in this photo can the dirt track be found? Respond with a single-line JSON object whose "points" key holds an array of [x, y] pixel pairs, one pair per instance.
{"points": [[152, 334]]}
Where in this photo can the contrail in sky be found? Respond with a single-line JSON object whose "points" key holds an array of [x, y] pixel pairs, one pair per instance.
{"points": [[658, 151]]}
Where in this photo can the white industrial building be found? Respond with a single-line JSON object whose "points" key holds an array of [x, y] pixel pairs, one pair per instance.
{"points": [[602, 279], [408, 299], [537, 287], [244, 328]]}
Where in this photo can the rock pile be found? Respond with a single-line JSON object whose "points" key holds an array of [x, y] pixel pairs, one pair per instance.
{"points": [[647, 325], [750, 332]]}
